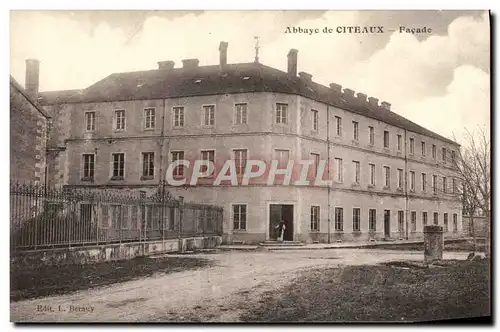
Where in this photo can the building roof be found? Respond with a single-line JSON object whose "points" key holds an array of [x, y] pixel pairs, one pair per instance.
{"points": [[234, 78], [32, 101], [57, 97]]}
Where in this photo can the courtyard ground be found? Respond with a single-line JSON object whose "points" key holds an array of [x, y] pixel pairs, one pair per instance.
{"points": [[226, 289]]}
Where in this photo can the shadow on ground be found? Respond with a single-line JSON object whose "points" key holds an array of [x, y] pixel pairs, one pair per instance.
{"points": [[40, 281]]}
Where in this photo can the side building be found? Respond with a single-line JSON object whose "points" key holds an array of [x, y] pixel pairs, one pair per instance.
{"points": [[390, 175], [29, 125]]}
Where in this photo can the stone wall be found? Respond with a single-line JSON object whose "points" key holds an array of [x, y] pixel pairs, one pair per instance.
{"points": [[112, 252]]}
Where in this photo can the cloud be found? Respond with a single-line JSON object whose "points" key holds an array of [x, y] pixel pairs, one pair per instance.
{"points": [[466, 104], [439, 78]]}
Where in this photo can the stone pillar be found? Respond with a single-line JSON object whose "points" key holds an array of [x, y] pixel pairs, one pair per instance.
{"points": [[433, 243]]}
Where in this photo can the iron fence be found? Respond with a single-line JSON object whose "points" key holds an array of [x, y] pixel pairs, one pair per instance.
{"points": [[43, 217]]}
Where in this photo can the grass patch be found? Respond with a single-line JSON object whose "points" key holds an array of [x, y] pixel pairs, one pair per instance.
{"points": [[31, 282], [380, 293]]}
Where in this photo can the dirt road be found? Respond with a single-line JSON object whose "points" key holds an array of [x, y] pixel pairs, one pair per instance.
{"points": [[218, 293]]}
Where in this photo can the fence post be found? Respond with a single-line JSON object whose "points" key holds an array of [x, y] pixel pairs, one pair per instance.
{"points": [[96, 219], [181, 218]]}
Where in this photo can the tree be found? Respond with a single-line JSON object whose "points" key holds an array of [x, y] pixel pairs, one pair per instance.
{"points": [[473, 166]]}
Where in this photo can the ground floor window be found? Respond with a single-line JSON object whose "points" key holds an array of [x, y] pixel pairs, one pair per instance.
{"points": [[339, 219], [455, 223], [372, 220], [240, 216], [315, 218], [436, 218], [401, 221], [413, 221], [445, 222], [424, 218], [355, 219]]}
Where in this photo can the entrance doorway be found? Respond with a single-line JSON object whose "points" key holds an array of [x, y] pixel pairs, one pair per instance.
{"points": [[387, 223], [278, 212]]}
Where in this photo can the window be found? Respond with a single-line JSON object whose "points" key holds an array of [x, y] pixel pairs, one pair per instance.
{"points": [[149, 118], [315, 159], [339, 219], [178, 155], [90, 121], [387, 176], [239, 216], [443, 153], [445, 184], [209, 115], [436, 218], [148, 164], [454, 185], [400, 178], [314, 218], [372, 174], [207, 155], [314, 115], [412, 145], [338, 169], [455, 223], [282, 156], [372, 135], [282, 113], [445, 222], [433, 151], [240, 158], [356, 219], [178, 116], [453, 156], [386, 139], [413, 221], [399, 142], [118, 165], [338, 123], [434, 183], [401, 221], [423, 149], [355, 130], [120, 120], [372, 220], [424, 218], [88, 166], [412, 180], [424, 182], [241, 113], [357, 171]]}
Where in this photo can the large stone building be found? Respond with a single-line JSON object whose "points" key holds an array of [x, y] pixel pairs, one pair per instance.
{"points": [[390, 175]]}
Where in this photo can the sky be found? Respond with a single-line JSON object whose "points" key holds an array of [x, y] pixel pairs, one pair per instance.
{"points": [[440, 80]]}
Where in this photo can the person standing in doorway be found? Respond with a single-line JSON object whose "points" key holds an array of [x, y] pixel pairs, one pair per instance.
{"points": [[281, 230]]}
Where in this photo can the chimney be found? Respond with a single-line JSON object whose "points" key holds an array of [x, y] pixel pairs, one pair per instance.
{"points": [[386, 105], [373, 101], [166, 65], [223, 53], [190, 63], [292, 62], [32, 77], [305, 76], [348, 93], [336, 87], [361, 96]]}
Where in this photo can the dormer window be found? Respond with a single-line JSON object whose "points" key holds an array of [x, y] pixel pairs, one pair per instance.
{"points": [[246, 78], [197, 81]]}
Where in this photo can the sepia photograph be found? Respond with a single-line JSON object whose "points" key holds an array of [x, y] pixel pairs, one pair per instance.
{"points": [[250, 166]]}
